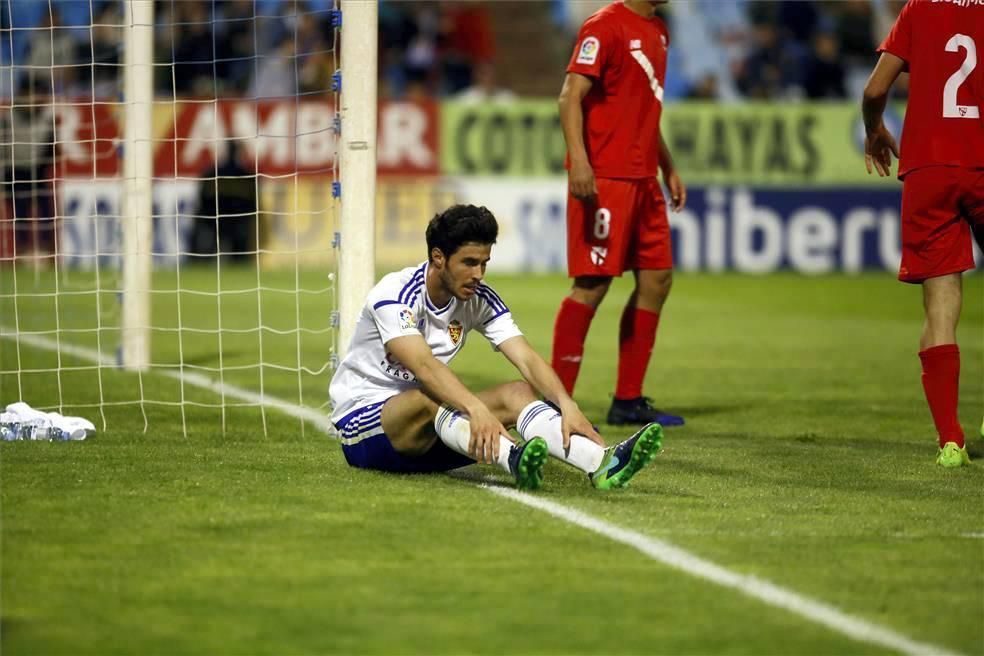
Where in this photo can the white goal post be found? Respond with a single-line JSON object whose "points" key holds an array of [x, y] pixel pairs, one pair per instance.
{"points": [[138, 174], [357, 161]]}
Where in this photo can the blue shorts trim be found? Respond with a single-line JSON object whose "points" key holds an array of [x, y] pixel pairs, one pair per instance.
{"points": [[366, 446]]}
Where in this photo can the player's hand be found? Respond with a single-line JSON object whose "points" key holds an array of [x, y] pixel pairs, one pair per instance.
{"points": [[485, 432], [582, 181], [678, 191], [879, 146], [573, 422]]}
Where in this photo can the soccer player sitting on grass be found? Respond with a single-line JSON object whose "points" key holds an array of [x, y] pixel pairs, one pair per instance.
{"points": [[399, 408], [942, 173]]}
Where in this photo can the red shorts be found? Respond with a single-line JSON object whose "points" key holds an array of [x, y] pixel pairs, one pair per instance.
{"points": [[939, 204], [624, 228]]}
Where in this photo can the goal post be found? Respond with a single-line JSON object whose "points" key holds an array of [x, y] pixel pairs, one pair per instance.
{"points": [[138, 174], [357, 163]]}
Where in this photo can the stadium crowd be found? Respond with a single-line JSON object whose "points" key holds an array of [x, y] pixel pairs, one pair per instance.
{"points": [[722, 50]]}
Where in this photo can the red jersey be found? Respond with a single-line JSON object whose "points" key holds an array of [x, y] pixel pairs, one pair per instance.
{"points": [[942, 43], [625, 55]]}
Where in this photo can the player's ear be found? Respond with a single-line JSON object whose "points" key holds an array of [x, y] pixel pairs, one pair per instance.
{"points": [[437, 258]]}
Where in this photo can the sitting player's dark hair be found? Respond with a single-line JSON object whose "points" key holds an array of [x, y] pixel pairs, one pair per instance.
{"points": [[458, 225]]}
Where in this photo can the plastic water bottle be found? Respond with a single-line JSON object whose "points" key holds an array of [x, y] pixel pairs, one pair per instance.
{"points": [[9, 427]]}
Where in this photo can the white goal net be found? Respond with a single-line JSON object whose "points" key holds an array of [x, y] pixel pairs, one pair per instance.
{"points": [[170, 220]]}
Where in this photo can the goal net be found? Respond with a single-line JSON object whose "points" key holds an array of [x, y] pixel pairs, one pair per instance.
{"points": [[170, 218]]}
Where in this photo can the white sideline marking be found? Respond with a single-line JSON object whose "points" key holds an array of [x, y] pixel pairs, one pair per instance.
{"points": [[972, 535], [189, 378], [773, 595], [663, 552]]}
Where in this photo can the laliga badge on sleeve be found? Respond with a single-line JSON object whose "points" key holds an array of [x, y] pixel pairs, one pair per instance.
{"points": [[588, 52]]}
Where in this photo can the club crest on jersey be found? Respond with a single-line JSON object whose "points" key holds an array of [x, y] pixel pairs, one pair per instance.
{"points": [[406, 319], [598, 255], [454, 331], [635, 44], [588, 52]]}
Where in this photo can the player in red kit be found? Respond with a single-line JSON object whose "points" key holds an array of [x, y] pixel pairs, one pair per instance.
{"points": [[939, 43], [610, 108]]}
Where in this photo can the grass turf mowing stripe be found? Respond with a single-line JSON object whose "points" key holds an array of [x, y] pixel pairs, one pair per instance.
{"points": [[190, 378], [664, 552], [771, 594]]}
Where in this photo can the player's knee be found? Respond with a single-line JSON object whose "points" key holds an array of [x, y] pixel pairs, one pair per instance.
{"points": [[519, 394], [655, 287], [590, 290]]}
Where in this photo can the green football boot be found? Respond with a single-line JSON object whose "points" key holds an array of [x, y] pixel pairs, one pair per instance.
{"points": [[952, 455], [623, 461], [526, 462]]}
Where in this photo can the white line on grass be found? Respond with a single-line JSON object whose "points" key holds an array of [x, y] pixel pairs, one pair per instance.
{"points": [[188, 377], [663, 552], [771, 594]]}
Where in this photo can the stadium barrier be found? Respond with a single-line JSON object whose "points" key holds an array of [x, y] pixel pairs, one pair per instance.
{"points": [[770, 187]]}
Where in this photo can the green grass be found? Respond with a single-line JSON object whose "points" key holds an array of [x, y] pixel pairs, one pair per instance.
{"points": [[807, 460]]}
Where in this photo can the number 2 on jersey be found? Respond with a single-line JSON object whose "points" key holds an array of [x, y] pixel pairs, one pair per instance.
{"points": [[950, 107]]}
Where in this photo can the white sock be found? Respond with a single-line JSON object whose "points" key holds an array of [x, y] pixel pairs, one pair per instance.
{"points": [[540, 420], [455, 431]]}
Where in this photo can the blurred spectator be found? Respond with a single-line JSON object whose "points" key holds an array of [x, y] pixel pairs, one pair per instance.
{"points": [[314, 65], [193, 51], [824, 74], [103, 55], [275, 75], [52, 59], [235, 40], [706, 88], [226, 221], [26, 130], [466, 39], [770, 68], [799, 20], [484, 88]]}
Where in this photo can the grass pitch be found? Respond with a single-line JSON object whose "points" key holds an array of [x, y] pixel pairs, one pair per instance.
{"points": [[807, 460]]}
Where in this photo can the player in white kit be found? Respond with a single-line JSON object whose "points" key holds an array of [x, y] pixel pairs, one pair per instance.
{"points": [[399, 408]]}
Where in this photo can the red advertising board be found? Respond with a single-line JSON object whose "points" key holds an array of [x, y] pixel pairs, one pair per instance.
{"points": [[282, 137]]}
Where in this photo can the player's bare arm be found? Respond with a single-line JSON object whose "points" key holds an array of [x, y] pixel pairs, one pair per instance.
{"points": [[544, 380], [581, 177], [678, 190], [443, 385], [879, 144]]}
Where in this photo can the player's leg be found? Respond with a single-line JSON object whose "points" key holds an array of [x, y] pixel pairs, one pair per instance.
{"points": [[651, 257], [597, 237], [436, 437], [940, 358], [606, 468], [936, 248]]}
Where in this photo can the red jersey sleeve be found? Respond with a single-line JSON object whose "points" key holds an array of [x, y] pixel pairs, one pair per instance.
{"points": [[899, 40], [593, 51]]}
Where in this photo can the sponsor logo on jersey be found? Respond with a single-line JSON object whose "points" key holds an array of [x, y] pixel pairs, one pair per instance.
{"points": [[598, 255], [406, 319], [588, 52], [635, 44], [454, 331]]}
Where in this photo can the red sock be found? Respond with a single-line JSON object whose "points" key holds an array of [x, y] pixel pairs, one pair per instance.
{"points": [[636, 336], [570, 330], [941, 382]]}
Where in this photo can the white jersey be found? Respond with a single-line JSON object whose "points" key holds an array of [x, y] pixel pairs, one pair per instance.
{"points": [[398, 305]]}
